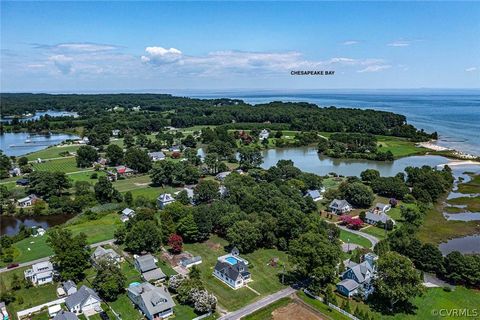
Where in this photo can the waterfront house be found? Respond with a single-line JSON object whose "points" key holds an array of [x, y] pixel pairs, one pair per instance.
{"points": [[154, 302], [65, 315], [378, 214], [340, 206], [101, 253], [156, 156], [264, 134], [232, 270], [147, 266], [27, 201], [164, 199], [84, 300], [358, 277], [40, 273]]}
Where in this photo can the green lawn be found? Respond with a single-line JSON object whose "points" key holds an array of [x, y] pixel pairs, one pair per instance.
{"points": [[346, 236], [66, 165], [140, 186], [26, 297], [183, 312], [400, 147], [124, 306], [85, 176], [52, 152], [265, 278], [96, 231], [375, 231], [266, 313]]}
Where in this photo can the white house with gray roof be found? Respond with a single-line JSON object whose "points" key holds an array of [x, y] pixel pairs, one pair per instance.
{"points": [[316, 194], [154, 302], [40, 273], [156, 156], [84, 300], [232, 270], [147, 266], [164, 200], [340, 206], [378, 214], [358, 278]]}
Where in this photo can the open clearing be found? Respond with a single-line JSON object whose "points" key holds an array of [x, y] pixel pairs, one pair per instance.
{"points": [[294, 311]]}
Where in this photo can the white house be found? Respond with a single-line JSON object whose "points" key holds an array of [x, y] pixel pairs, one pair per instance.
{"points": [[84, 300], [232, 270], [156, 156], [264, 134], [340, 206], [164, 199], [101, 253], [27, 201], [66, 288], [40, 273], [127, 213], [154, 302], [316, 195], [115, 132]]}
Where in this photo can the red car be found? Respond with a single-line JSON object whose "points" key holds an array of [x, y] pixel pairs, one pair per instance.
{"points": [[12, 265]]}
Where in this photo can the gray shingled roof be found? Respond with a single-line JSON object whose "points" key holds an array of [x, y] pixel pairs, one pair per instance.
{"points": [[349, 284], [375, 217], [146, 263], [339, 203], [232, 271], [155, 299], [80, 297], [65, 315], [67, 285], [154, 274], [314, 194]]}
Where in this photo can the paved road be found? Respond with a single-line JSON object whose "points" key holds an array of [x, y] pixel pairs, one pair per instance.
{"points": [[374, 240], [29, 263], [258, 305]]}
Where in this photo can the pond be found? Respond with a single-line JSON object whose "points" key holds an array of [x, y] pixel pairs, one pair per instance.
{"points": [[51, 113], [10, 225], [308, 160], [468, 244], [21, 143]]}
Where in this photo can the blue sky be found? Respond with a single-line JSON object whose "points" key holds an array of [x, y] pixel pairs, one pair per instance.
{"points": [[119, 46]]}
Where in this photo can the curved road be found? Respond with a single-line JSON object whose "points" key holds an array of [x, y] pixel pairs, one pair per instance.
{"points": [[29, 263]]}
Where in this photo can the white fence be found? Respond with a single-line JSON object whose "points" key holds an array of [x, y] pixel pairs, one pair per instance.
{"points": [[203, 316], [29, 311], [351, 316]]}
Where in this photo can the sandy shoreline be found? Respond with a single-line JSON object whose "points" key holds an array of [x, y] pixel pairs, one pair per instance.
{"points": [[432, 146]]}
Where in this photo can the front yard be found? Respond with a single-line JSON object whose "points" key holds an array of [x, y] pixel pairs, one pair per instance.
{"points": [[266, 279]]}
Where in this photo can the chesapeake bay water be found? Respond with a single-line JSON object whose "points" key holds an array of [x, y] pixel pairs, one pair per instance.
{"points": [[454, 114]]}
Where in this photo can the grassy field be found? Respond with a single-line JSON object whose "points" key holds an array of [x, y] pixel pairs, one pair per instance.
{"points": [[140, 186], [265, 278], [470, 187], [96, 230], [433, 300], [400, 147], [266, 313], [346, 236], [52, 152], [66, 165]]}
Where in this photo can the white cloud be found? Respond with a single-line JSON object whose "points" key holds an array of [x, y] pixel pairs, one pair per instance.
{"points": [[63, 63], [76, 47], [159, 55], [350, 42], [399, 43], [471, 69], [243, 62], [375, 68]]}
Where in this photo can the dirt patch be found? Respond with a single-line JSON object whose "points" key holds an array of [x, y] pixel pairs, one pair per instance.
{"points": [[213, 245], [295, 311], [139, 184]]}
